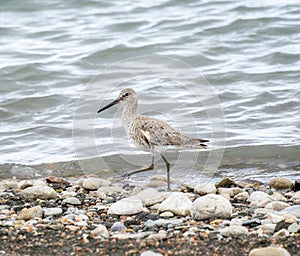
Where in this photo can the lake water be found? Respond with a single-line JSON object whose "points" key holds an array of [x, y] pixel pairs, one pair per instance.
{"points": [[228, 71]]}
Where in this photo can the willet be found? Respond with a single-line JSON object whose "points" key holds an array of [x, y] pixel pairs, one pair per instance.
{"points": [[149, 133]]}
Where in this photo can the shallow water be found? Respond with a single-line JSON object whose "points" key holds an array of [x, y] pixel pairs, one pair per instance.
{"points": [[246, 54]]}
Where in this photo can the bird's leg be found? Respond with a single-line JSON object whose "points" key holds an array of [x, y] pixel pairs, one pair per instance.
{"points": [[147, 168], [168, 171]]}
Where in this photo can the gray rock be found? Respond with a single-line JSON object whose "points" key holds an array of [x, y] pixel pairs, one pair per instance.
{"points": [[71, 200], [270, 251], [31, 213], [126, 206], [281, 183], [167, 223], [205, 188], [211, 206], [93, 183], [259, 199], [234, 231], [178, 203], [52, 211], [100, 231], [118, 227], [149, 223], [39, 192], [151, 196], [293, 210], [139, 235]]}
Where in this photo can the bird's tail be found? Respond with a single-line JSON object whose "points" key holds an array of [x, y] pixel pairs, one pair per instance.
{"points": [[197, 143]]}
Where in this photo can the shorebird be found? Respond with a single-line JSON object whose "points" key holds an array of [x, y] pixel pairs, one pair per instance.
{"points": [[149, 133]]}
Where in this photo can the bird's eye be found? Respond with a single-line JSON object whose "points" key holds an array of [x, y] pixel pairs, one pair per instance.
{"points": [[126, 94]]}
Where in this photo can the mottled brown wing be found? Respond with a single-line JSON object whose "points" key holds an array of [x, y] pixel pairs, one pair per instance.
{"points": [[152, 132]]}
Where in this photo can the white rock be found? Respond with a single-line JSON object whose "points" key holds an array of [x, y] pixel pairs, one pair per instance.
{"points": [[150, 253], [167, 214], [293, 228], [243, 196], [100, 231], [71, 200], [296, 196], [234, 231], [205, 188], [275, 218], [66, 194], [281, 233], [110, 190], [178, 203], [126, 206], [151, 196], [93, 183], [226, 191], [277, 205], [270, 251], [168, 223], [294, 210], [279, 197], [52, 211], [211, 206], [267, 227], [39, 192], [259, 199]]}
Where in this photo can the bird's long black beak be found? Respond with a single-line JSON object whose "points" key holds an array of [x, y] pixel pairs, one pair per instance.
{"points": [[109, 105]]}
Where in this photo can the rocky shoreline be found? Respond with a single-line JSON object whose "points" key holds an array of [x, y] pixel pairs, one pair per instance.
{"points": [[94, 216]]}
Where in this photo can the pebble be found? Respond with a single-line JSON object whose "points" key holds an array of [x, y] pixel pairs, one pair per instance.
{"points": [[226, 183], [39, 192], [31, 213], [211, 207], [118, 227], [243, 196], [274, 218], [280, 183], [293, 228], [167, 214], [294, 210], [151, 196], [259, 199], [205, 188], [280, 233], [150, 253], [178, 203], [126, 206], [277, 205], [93, 183], [296, 196], [111, 190], [270, 251], [234, 231], [52, 211], [100, 231], [71, 200]]}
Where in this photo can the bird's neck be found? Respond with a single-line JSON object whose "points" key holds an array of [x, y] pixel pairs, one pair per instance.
{"points": [[129, 113]]}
